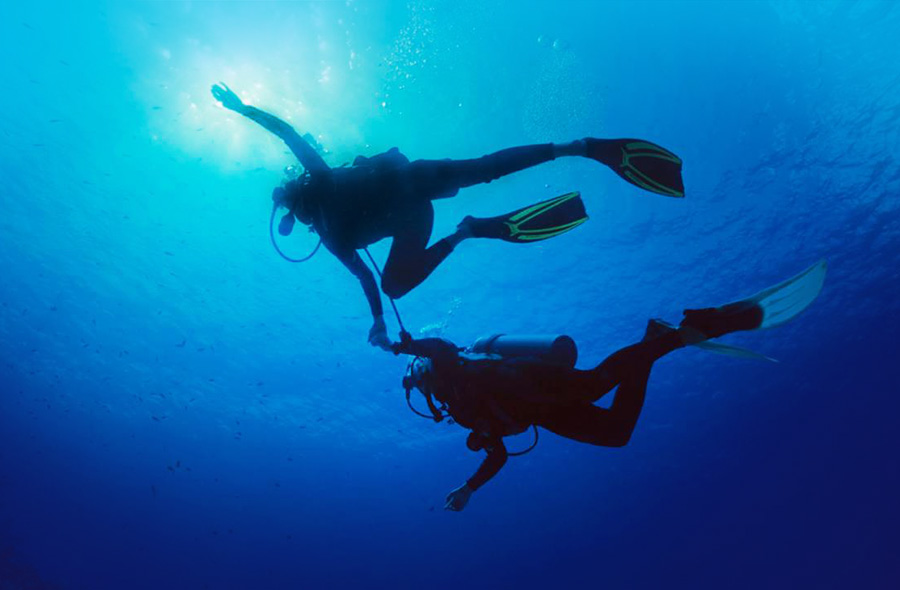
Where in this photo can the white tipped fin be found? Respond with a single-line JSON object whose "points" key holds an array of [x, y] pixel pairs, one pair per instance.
{"points": [[786, 300], [780, 303], [735, 351], [725, 349]]}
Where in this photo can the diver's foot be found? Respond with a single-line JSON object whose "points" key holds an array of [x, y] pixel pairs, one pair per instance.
{"points": [[476, 227], [605, 151], [657, 328], [699, 325], [464, 229]]}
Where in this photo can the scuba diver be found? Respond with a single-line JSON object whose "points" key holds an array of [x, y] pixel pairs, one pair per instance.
{"points": [[503, 385], [389, 196]]}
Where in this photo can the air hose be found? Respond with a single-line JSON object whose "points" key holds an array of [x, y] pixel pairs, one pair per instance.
{"points": [[391, 299], [275, 244]]}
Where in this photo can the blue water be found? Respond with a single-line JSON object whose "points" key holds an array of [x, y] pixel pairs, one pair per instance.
{"points": [[180, 408]]}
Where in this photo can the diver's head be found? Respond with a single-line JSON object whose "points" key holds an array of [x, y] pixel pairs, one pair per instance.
{"points": [[419, 376], [294, 195]]}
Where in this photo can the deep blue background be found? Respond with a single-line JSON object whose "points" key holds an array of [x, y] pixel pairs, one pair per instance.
{"points": [[182, 409]]}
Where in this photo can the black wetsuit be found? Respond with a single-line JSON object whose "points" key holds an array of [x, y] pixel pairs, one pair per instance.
{"points": [[389, 196], [500, 397]]}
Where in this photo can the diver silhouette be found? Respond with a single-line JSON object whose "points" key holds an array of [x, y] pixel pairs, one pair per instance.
{"points": [[389, 196], [503, 385]]}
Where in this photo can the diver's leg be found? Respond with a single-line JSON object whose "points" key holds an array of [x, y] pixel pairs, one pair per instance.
{"points": [[659, 340], [626, 362], [629, 369], [410, 262], [590, 385], [639, 162], [600, 426], [436, 179]]}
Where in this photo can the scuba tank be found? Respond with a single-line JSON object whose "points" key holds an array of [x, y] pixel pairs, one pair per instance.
{"points": [[558, 350]]}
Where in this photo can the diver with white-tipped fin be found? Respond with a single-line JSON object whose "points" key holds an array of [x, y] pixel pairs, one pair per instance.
{"points": [[503, 385]]}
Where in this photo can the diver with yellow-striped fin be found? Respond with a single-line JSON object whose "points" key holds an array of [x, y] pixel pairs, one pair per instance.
{"points": [[389, 196]]}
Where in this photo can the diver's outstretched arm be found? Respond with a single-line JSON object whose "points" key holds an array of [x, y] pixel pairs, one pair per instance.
{"points": [[307, 155]]}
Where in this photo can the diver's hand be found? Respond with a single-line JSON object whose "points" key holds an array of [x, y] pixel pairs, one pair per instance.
{"points": [[458, 498], [378, 335], [227, 97], [405, 341]]}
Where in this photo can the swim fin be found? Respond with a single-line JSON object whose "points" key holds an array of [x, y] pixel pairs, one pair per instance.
{"points": [[642, 163], [657, 328], [768, 308], [536, 222]]}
